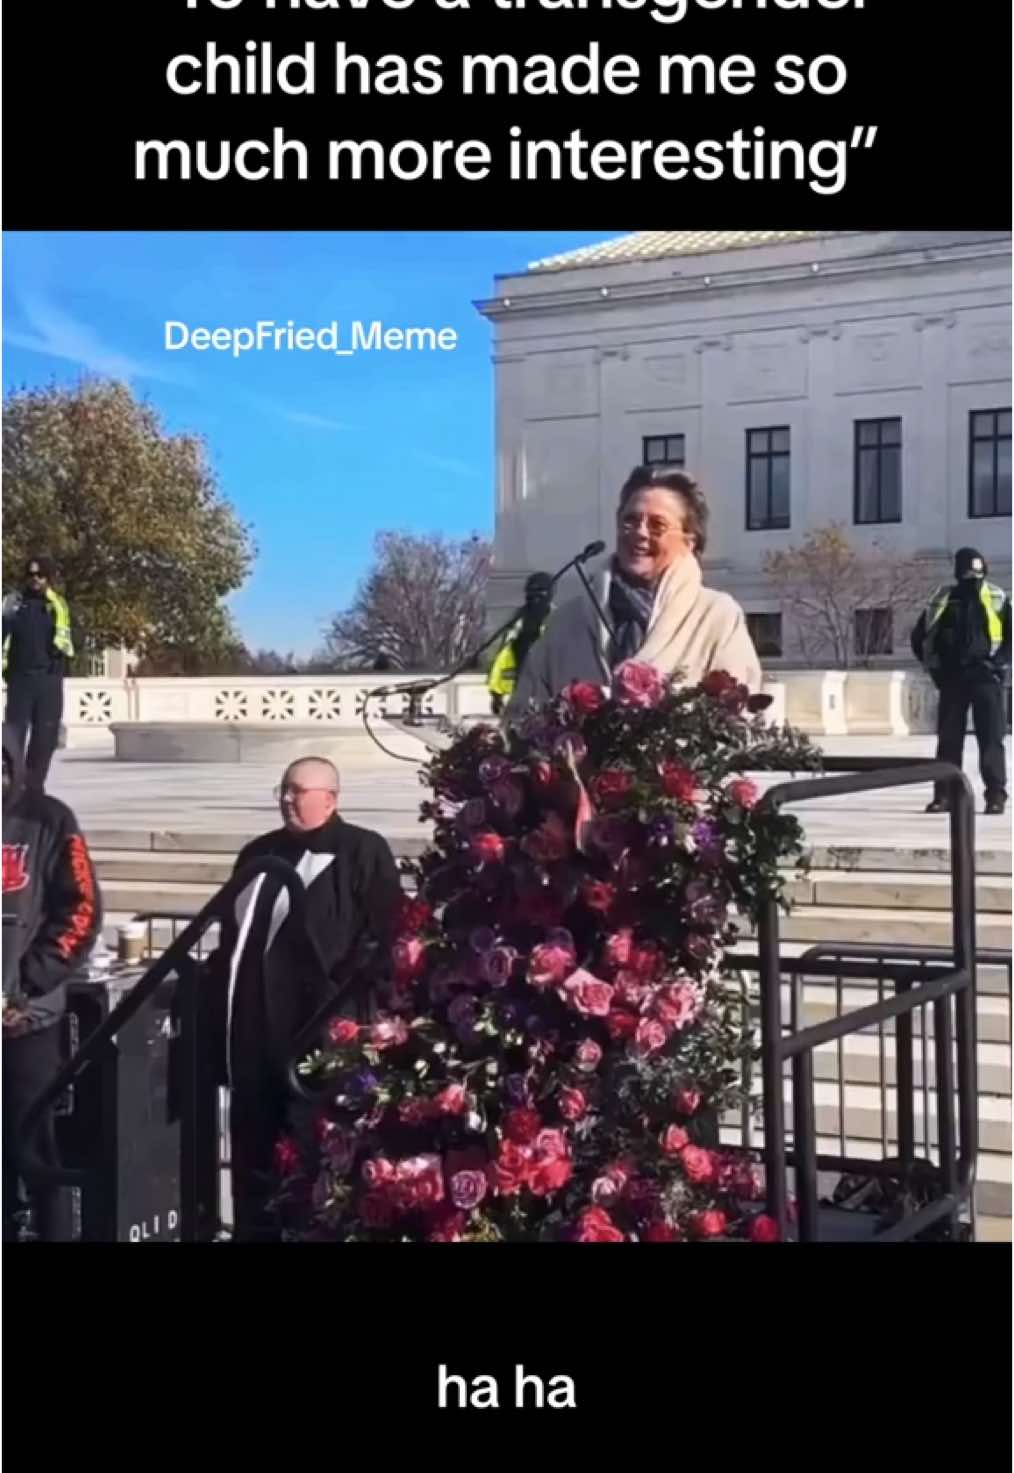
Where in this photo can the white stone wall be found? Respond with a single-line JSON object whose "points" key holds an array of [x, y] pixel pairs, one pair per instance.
{"points": [[829, 703], [813, 335]]}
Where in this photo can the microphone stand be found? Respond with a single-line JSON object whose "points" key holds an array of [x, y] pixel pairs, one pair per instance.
{"points": [[595, 603]]}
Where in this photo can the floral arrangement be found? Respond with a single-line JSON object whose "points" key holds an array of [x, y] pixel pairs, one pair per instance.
{"points": [[555, 1041]]}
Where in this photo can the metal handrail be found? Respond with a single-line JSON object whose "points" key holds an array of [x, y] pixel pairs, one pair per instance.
{"points": [[867, 775], [174, 960]]}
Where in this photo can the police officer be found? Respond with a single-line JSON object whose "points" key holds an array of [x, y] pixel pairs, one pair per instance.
{"points": [[37, 648], [963, 640], [505, 669]]}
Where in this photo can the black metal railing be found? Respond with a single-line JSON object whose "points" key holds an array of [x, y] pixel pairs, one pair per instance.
{"points": [[194, 1083], [946, 986]]}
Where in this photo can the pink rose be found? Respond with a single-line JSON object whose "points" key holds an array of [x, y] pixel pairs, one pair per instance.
{"points": [[647, 960], [636, 684], [687, 1101], [414, 1110], [378, 1171], [596, 1226], [630, 990], [549, 963], [451, 1100], [676, 1005], [610, 787], [674, 1139], [710, 1224], [509, 1172], [586, 994], [744, 792], [551, 841], [587, 1056], [584, 697], [678, 781], [487, 847], [619, 947], [748, 1181], [549, 1175], [649, 1037], [497, 965], [698, 1164], [764, 1229], [571, 1103], [468, 1189], [342, 1031], [607, 1188], [551, 1144], [541, 774], [389, 1033], [444, 1224]]}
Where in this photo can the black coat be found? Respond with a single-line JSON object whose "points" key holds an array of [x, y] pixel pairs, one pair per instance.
{"points": [[268, 980]]}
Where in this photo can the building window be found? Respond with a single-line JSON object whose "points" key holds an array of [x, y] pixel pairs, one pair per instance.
{"points": [[668, 450], [989, 463], [874, 632], [878, 470], [767, 479], [766, 633]]}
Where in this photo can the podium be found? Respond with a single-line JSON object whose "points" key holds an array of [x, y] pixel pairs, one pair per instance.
{"points": [[121, 1120]]}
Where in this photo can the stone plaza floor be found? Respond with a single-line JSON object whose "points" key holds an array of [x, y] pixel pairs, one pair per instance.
{"points": [[381, 793]]}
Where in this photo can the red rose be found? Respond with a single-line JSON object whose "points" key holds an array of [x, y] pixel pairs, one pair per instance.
{"points": [[620, 1025], [509, 1172], [388, 1033], [723, 687], [414, 914], [551, 1144], [287, 1157], [583, 696], [588, 1056], [744, 792], [377, 1210], [678, 781], [649, 1036], [673, 1140], [711, 1224], [408, 957], [659, 1232], [541, 774], [596, 1226], [698, 1164], [552, 840], [549, 1176], [414, 1110], [587, 994], [764, 1229], [611, 786], [342, 1030], [687, 1101], [550, 963], [571, 1103], [522, 1125], [378, 1171], [487, 846], [452, 1100], [598, 894]]}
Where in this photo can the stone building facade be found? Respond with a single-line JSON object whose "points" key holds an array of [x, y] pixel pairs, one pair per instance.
{"points": [[862, 377]]}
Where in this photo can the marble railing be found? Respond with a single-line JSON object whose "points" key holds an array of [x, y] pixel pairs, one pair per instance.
{"points": [[824, 703]]}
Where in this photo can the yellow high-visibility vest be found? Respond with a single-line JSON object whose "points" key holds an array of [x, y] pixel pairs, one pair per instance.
{"points": [[992, 599], [503, 673], [62, 641]]}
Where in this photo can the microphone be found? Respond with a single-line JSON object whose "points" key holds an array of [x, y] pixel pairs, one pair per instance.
{"points": [[592, 550]]}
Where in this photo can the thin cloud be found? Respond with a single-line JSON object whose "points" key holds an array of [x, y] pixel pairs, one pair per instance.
{"points": [[58, 335], [447, 463], [314, 421]]}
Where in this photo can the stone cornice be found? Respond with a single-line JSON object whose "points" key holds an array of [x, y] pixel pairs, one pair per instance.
{"points": [[658, 289]]}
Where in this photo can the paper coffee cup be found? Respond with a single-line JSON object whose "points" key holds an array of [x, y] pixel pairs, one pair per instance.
{"points": [[130, 941]]}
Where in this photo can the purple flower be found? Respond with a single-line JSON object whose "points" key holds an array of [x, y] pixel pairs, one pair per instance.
{"points": [[570, 744], [497, 965], [482, 940], [509, 796], [363, 1082], [663, 829], [493, 770], [468, 1189], [472, 815], [707, 839], [517, 1089], [461, 1011]]}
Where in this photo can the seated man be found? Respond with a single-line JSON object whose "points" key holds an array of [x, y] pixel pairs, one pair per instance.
{"points": [[266, 983]]}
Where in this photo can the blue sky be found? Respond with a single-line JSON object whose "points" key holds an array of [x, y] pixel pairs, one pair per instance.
{"points": [[318, 453]]}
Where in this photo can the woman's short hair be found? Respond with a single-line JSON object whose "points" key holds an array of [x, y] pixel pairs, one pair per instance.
{"points": [[695, 508]]}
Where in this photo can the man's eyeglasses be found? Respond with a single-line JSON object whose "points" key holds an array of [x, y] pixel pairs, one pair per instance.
{"points": [[291, 790], [36, 574]]}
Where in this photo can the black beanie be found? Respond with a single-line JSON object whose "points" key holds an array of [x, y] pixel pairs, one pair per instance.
{"points": [[968, 560]]}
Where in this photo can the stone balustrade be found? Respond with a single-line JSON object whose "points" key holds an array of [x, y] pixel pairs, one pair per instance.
{"points": [[821, 702]]}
